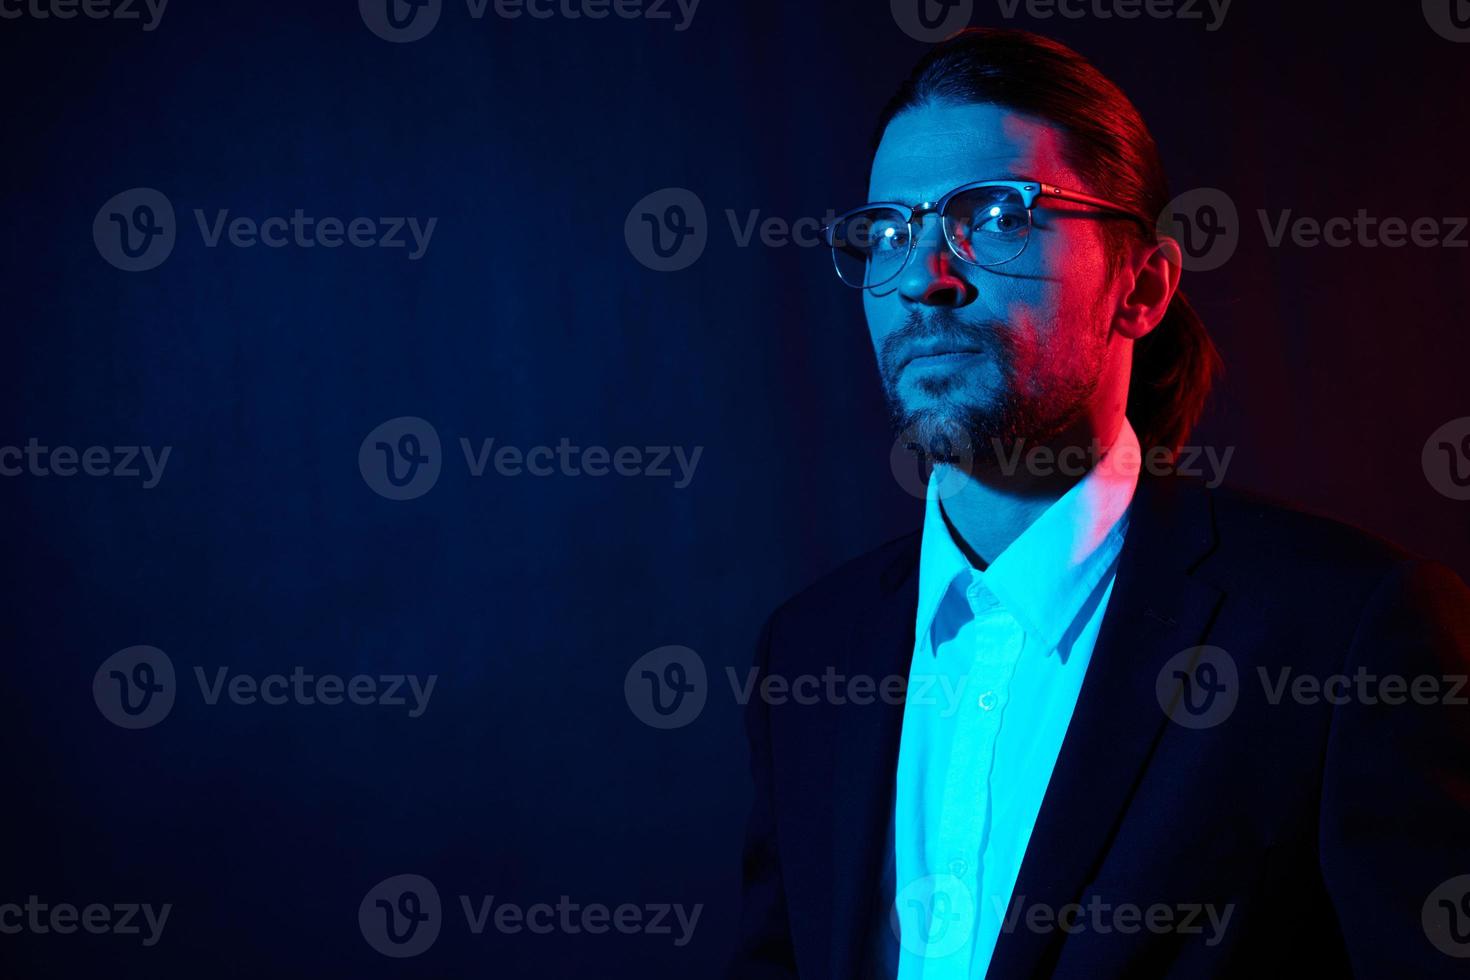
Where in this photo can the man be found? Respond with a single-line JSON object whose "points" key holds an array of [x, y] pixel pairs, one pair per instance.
{"points": [[1149, 728]]}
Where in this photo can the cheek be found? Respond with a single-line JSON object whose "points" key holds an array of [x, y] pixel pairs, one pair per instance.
{"points": [[883, 313], [1072, 270], [1053, 316]]}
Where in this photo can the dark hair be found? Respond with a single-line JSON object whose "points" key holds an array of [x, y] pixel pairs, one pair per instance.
{"points": [[1110, 148]]}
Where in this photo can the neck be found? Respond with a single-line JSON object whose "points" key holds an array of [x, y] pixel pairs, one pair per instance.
{"points": [[987, 506]]}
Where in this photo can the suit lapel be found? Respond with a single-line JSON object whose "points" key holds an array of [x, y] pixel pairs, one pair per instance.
{"points": [[1157, 609]]}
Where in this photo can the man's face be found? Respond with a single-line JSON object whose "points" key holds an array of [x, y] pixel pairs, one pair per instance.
{"points": [[969, 355]]}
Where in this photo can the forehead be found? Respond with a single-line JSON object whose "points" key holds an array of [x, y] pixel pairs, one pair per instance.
{"points": [[935, 147]]}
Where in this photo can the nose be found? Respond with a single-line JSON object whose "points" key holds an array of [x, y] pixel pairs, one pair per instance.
{"points": [[934, 277]]}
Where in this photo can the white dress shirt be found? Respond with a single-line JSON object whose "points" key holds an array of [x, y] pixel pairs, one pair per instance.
{"points": [[998, 662]]}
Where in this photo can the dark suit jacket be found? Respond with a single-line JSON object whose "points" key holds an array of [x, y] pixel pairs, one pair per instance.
{"points": [[1324, 827]]}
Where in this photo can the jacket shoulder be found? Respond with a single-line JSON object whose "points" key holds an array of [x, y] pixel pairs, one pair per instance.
{"points": [[1253, 529], [854, 584]]}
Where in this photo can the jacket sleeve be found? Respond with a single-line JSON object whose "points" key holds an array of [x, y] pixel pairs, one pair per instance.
{"points": [[763, 947], [1394, 831]]}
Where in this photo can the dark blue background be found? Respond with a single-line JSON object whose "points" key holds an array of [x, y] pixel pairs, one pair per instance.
{"points": [[528, 320]]}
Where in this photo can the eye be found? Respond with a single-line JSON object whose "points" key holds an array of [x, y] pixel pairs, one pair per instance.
{"points": [[880, 231], [999, 219], [889, 235]]}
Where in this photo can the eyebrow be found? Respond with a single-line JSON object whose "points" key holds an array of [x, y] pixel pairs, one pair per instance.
{"points": [[911, 199]]}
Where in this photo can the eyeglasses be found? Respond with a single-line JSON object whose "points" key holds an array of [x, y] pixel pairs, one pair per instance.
{"points": [[986, 223]]}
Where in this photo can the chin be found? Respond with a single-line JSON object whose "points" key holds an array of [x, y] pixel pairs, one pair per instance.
{"points": [[942, 428], [973, 431]]}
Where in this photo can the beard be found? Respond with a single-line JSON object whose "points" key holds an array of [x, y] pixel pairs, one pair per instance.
{"points": [[958, 424]]}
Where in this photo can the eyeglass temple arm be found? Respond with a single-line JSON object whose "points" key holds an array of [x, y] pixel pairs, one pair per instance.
{"points": [[1051, 190]]}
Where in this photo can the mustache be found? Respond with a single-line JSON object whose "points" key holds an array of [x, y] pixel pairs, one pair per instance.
{"points": [[989, 337]]}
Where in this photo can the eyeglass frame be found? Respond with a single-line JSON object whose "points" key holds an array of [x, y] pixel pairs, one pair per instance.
{"points": [[1029, 190]]}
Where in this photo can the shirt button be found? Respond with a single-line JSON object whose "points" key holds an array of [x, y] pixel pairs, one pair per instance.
{"points": [[988, 701]]}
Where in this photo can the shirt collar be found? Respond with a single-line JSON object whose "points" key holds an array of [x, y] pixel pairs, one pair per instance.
{"points": [[1046, 576]]}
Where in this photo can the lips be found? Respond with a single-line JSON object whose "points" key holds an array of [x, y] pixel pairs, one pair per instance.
{"points": [[937, 354]]}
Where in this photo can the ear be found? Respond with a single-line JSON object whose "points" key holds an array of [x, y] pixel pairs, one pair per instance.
{"points": [[1155, 278]]}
